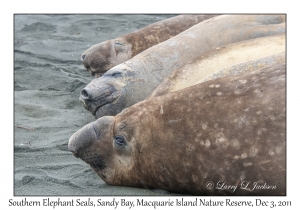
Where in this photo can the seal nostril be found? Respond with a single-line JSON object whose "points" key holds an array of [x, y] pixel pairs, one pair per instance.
{"points": [[82, 58], [84, 94]]}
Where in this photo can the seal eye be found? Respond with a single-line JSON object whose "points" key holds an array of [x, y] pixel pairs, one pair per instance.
{"points": [[119, 141], [119, 44], [119, 47], [115, 74]]}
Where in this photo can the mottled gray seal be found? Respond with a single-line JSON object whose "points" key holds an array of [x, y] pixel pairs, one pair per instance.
{"points": [[230, 130], [103, 56], [132, 81], [230, 59]]}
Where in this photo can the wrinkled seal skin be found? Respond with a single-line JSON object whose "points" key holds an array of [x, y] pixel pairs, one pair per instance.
{"points": [[231, 129], [103, 56], [135, 79], [230, 59]]}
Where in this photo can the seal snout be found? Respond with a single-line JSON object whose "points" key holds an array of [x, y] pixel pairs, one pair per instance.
{"points": [[73, 147], [81, 140], [85, 94], [97, 93], [94, 97]]}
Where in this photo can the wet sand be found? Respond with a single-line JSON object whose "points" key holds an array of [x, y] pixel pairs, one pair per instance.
{"points": [[48, 76]]}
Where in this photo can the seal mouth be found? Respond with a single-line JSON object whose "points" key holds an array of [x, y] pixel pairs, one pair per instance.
{"points": [[95, 64], [96, 162], [94, 73], [94, 98]]}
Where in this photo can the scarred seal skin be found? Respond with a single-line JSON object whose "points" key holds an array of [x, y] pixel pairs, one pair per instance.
{"points": [[103, 56], [132, 81], [234, 58], [230, 130]]}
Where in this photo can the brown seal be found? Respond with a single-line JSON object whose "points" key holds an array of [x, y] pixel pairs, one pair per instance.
{"points": [[132, 81], [230, 59], [226, 136], [103, 56]]}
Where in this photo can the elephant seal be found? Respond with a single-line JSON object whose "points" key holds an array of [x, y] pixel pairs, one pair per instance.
{"points": [[221, 137], [230, 59], [103, 56], [132, 81]]}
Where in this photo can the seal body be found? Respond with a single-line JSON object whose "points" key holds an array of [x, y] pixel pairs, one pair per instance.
{"points": [[132, 81], [103, 56], [230, 130], [230, 59]]}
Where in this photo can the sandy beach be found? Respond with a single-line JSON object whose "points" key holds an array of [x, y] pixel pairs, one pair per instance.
{"points": [[48, 76]]}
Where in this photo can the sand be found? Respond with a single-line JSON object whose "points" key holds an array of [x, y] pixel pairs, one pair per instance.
{"points": [[48, 76]]}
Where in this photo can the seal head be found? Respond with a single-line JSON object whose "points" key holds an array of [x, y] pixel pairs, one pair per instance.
{"points": [[103, 56], [92, 145], [118, 88], [103, 147]]}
